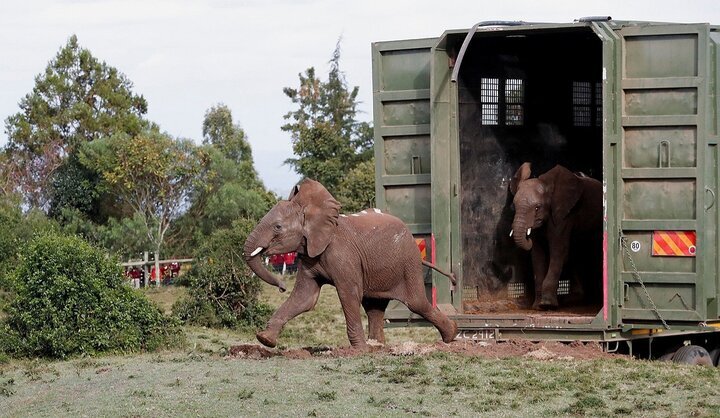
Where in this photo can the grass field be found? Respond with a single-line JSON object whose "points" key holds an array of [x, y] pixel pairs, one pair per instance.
{"points": [[201, 380]]}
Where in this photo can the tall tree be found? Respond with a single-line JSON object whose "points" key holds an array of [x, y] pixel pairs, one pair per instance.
{"points": [[220, 130], [77, 99], [151, 172], [327, 138], [231, 187]]}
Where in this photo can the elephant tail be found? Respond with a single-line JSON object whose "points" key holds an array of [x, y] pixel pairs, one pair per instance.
{"points": [[450, 275]]}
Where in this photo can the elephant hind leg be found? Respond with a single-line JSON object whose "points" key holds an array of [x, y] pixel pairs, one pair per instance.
{"points": [[417, 302], [421, 306], [375, 310]]}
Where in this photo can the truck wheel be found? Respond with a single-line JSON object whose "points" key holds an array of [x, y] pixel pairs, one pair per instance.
{"points": [[692, 354], [714, 355]]}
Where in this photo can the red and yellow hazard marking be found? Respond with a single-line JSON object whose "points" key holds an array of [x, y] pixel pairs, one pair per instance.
{"points": [[422, 247], [674, 243]]}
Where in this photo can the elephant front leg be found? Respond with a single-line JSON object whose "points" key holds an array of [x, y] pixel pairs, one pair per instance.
{"points": [[540, 268], [302, 299], [558, 256]]}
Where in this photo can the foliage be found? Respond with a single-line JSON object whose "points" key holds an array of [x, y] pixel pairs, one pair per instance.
{"points": [[151, 172], [124, 237], [74, 187], [231, 187], [233, 201], [327, 139], [77, 99], [71, 299], [222, 289], [16, 229], [357, 189], [231, 191], [78, 188], [228, 137]]}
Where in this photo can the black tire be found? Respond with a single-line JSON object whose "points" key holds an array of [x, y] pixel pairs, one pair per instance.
{"points": [[692, 354], [715, 355]]}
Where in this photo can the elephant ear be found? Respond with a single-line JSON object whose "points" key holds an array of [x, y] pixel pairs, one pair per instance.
{"points": [[522, 174], [321, 212], [567, 189]]}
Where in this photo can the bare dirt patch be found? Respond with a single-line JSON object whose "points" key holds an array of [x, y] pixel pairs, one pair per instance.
{"points": [[545, 350]]}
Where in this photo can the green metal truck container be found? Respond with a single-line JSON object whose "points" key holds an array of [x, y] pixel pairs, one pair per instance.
{"points": [[632, 104]]}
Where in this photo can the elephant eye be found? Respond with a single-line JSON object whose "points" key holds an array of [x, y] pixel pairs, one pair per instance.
{"points": [[278, 227], [537, 208]]}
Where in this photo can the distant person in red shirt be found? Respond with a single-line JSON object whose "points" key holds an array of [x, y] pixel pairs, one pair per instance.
{"points": [[277, 261], [290, 266]]}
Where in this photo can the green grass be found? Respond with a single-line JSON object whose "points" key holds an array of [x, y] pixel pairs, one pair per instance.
{"points": [[201, 380], [197, 383], [165, 296]]}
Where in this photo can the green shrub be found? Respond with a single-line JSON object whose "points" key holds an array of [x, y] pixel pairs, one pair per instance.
{"points": [[71, 299], [222, 289], [16, 229]]}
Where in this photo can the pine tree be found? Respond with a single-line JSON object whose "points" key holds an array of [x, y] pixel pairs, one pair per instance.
{"points": [[328, 141]]}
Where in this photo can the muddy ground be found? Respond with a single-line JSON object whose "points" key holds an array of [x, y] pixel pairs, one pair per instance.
{"points": [[546, 350]]}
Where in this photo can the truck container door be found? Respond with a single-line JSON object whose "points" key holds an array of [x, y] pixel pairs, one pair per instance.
{"points": [[662, 173], [401, 96]]}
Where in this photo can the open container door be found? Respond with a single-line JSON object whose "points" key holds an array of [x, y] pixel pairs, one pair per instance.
{"points": [[664, 177], [401, 95], [513, 94]]}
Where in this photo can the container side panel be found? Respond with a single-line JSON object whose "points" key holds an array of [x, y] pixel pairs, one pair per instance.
{"points": [[661, 102], [661, 56], [397, 150], [413, 202], [407, 69], [644, 147], [660, 199], [406, 112]]}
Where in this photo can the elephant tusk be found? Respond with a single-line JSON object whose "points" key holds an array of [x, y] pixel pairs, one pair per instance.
{"points": [[511, 232], [528, 231], [256, 252]]}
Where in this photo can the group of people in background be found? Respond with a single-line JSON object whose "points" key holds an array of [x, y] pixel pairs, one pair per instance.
{"points": [[284, 263]]}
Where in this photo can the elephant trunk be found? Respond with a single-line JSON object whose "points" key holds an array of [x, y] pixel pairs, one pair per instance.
{"points": [[521, 235], [253, 251]]}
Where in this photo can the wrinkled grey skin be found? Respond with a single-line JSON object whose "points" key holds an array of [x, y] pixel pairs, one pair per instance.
{"points": [[369, 257], [554, 208]]}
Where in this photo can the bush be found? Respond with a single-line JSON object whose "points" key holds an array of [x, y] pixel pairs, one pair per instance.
{"points": [[222, 289], [16, 229], [71, 299]]}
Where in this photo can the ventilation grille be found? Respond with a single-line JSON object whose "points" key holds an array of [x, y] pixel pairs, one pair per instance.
{"points": [[515, 290]]}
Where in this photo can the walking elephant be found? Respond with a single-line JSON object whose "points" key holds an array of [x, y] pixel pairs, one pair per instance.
{"points": [[370, 257], [553, 212]]}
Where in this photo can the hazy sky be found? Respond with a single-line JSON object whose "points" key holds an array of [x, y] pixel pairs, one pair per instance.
{"points": [[186, 56]]}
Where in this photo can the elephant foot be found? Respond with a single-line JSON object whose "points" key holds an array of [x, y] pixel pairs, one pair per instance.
{"points": [[548, 303], [266, 339], [449, 337], [359, 348]]}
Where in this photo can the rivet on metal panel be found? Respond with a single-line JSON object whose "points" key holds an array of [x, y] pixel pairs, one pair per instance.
{"points": [[664, 151]]}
